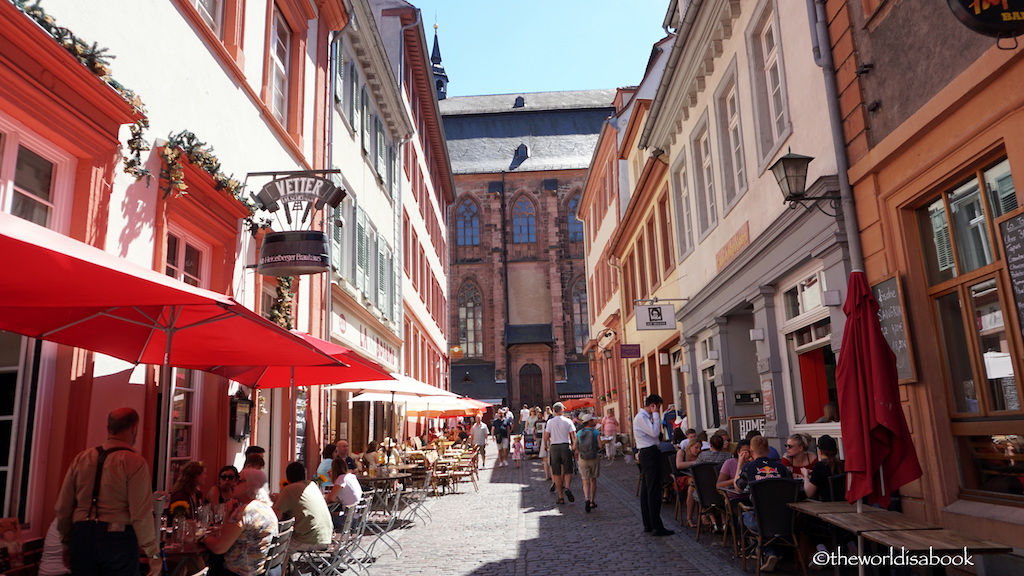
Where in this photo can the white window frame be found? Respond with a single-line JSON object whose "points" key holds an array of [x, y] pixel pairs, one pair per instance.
{"points": [[681, 199], [202, 247], [215, 18], [14, 134], [704, 179], [772, 122], [280, 66], [730, 130]]}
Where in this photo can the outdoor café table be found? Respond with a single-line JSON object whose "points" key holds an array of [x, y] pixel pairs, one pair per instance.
{"points": [[878, 520], [816, 509], [185, 559], [938, 542], [404, 467]]}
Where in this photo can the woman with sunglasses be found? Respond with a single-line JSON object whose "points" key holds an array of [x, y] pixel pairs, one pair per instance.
{"points": [[220, 492], [798, 459]]}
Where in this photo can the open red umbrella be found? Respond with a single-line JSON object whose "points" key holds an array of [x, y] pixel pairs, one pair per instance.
{"points": [[577, 403], [879, 451], [350, 367], [75, 294]]}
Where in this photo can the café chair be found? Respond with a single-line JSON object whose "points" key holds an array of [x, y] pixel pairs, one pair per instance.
{"points": [[341, 554], [837, 488], [775, 520], [709, 500], [275, 564]]}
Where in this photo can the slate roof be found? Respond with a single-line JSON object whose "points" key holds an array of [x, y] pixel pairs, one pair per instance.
{"points": [[559, 130]]}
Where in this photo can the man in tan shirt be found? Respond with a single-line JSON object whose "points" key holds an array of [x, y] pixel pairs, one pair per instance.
{"points": [[103, 535]]}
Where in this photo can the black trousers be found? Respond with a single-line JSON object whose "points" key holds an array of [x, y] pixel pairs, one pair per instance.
{"points": [[651, 463], [96, 551]]}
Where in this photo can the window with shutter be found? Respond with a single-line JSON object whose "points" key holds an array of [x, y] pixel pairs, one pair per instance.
{"points": [[383, 267], [381, 147], [366, 122], [392, 181], [339, 71], [352, 110], [336, 236], [362, 250], [396, 288]]}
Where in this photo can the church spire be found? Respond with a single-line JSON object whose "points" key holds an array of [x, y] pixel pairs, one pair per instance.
{"points": [[440, 76]]}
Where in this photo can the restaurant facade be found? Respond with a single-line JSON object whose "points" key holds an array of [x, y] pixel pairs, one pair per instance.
{"points": [[153, 158]]}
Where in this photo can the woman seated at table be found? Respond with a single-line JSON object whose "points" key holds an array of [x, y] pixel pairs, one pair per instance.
{"points": [[220, 493], [829, 464], [188, 487], [371, 458], [798, 458], [346, 490], [245, 537]]}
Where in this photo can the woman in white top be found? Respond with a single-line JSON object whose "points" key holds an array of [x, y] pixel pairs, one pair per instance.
{"points": [[346, 490]]}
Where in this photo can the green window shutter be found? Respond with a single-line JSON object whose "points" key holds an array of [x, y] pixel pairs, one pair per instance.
{"points": [[381, 147], [339, 71], [396, 288], [382, 276], [367, 123], [362, 250], [392, 176]]}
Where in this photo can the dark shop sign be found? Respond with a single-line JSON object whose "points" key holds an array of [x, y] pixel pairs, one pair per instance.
{"points": [[998, 18]]}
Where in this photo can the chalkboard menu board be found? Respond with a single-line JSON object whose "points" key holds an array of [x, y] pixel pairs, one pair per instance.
{"points": [[893, 318], [1012, 231]]}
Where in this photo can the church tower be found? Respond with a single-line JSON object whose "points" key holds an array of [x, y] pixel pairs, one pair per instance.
{"points": [[440, 76]]}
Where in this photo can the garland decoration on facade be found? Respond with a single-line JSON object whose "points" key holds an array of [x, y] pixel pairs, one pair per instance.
{"points": [[186, 144], [97, 61], [281, 311]]}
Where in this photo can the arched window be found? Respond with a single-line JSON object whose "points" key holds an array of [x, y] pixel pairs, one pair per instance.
{"points": [[580, 318], [575, 226], [467, 224], [471, 322], [524, 226]]}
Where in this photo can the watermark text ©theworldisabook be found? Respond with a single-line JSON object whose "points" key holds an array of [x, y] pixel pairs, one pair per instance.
{"points": [[900, 557]]}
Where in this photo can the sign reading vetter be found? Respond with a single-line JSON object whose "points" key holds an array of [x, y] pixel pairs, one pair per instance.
{"points": [[297, 250], [655, 317]]}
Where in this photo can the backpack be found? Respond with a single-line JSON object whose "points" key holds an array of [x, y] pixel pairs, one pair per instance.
{"points": [[587, 445]]}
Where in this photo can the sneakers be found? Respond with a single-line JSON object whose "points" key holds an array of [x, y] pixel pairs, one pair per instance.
{"points": [[769, 564], [568, 494]]}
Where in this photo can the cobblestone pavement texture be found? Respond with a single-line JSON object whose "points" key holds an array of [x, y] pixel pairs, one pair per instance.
{"points": [[513, 527]]}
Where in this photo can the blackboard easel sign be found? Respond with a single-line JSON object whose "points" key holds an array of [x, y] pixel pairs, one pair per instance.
{"points": [[892, 316], [1012, 232]]}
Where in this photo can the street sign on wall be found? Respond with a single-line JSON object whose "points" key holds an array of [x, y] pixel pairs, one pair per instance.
{"points": [[655, 317]]}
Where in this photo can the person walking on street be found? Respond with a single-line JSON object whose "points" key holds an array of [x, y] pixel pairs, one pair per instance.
{"points": [[105, 507], [478, 437], [589, 454], [560, 439], [524, 419], [646, 431], [500, 430], [609, 433]]}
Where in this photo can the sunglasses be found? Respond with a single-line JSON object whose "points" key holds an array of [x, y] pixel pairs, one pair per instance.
{"points": [[793, 446], [228, 477]]}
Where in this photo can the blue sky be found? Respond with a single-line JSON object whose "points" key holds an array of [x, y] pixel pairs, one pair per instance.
{"points": [[508, 46]]}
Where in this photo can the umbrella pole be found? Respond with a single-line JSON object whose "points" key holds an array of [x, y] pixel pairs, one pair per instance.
{"points": [[163, 440]]}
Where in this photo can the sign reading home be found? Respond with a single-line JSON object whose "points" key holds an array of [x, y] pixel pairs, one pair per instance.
{"points": [[298, 249], [655, 317]]}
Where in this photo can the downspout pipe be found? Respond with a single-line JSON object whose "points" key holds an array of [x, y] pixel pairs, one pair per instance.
{"points": [[822, 49]]}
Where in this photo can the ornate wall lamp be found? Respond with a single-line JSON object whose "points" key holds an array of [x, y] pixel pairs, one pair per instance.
{"points": [[791, 174]]}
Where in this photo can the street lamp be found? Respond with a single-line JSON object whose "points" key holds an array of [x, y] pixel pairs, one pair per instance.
{"points": [[791, 174]]}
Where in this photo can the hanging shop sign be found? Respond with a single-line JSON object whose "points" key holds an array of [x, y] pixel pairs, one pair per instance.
{"points": [[1001, 19], [293, 253], [298, 249], [655, 317], [629, 350]]}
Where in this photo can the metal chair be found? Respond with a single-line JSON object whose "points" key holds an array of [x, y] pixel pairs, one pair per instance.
{"points": [[774, 518], [708, 499], [837, 488], [339, 556], [278, 553]]}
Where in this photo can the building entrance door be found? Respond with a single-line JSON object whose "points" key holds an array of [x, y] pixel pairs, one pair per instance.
{"points": [[531, 389]]}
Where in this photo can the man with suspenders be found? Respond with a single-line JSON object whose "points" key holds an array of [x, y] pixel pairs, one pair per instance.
{"points": [[105, 507]]}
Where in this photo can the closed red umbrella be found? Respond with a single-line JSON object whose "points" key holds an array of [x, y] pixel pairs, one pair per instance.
{"points": [[577, 403], [879, 451]]}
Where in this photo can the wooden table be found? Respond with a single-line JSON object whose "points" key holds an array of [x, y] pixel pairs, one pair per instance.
{"points": [[186, 558], [880, 520], [816, 509], [937, 541]]}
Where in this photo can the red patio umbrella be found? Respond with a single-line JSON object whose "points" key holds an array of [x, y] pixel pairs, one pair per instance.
{"points": [[75, 294], [350, 367], [577, 403], [879, 451]]}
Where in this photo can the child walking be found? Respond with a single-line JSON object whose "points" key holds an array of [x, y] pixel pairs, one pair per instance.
{"points": [[517, 449]]}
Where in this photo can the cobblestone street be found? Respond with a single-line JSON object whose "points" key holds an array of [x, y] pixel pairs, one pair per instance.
{"points": [[513, 527]]}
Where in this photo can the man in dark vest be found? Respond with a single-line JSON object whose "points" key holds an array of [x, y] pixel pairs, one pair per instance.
{"points": [[105, 507]]}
